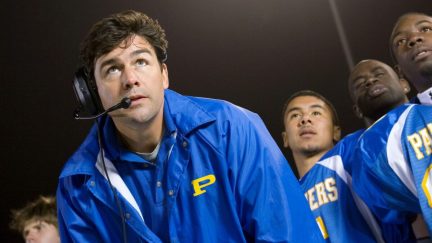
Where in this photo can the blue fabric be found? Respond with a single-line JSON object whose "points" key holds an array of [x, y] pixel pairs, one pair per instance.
{"points": [[327, 186], [415, 100], [389, 174], [254, 196], [347, 218], [423, 98]]}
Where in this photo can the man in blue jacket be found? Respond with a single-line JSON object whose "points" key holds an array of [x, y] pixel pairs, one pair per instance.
{"points": [[170, 168]]}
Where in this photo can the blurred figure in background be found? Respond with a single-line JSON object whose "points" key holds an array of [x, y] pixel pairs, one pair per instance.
{"points": [[37, 221]]}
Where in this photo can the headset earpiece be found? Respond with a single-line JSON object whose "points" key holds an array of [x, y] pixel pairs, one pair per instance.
{"points": [[86, 93]]}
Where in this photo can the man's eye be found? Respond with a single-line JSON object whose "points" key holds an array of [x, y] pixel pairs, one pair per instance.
{"points": [[316, 113], [377, 75], [426, 29], [295, 115], [359, 83], [39, 226], [141, 62], [112, 70], [400, 42]]}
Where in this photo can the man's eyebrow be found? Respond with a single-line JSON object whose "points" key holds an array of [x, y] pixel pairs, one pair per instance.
{"points": [[298, 108], [377, 68], [292, 109], [140, 51], [112, 61], [416, 24], [317, 106], [356, 78], [422, 21], [107, 63]]}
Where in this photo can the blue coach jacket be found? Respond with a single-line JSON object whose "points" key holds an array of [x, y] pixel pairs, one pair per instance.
{"points": [[229, 183]]}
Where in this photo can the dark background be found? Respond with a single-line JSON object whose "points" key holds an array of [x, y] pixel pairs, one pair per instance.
{"points": [[254, 53]]}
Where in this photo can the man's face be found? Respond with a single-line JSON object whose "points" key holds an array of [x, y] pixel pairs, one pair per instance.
{"points": [[309, 127], [40, 232], [374, 87], [411, 43], [132, 70]]}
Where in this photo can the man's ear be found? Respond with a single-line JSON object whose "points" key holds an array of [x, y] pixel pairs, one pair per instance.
{"points": [[399, 72], [285, 140], [165, 79], [336, 133], [357, 111], [403, 81], [405, 85]]}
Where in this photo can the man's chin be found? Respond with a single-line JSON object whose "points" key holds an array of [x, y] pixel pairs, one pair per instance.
{"points": [[375, 103], [311, 150], [379, 109], [425, 67]]}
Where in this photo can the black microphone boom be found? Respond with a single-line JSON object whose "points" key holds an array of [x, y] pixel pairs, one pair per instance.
{"points": [[124, 103]]}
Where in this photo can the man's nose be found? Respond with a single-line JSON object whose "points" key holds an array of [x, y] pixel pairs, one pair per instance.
{"points": [[370, 81], [305, 119], [31, 237], [129, 78], [415, 40]]}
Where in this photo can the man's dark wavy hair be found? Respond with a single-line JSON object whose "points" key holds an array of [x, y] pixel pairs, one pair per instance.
{"points": [[110, 32]]}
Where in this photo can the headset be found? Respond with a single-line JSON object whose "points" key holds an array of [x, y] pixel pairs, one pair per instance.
{"points": [[86, 94]]}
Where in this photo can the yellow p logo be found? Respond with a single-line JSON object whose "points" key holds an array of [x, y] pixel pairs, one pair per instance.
{"points": [[198, 185]]}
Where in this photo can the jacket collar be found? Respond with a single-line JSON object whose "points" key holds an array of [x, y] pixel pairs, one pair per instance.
{"points": [[180, 112], [423, 98], [186, 114], [83, 160]]}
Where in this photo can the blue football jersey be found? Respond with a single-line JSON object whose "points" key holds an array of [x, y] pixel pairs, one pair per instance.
{"points": [[392, 169], [341, 215]]}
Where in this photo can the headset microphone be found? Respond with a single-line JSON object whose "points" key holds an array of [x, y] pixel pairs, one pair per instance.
{"points": [[124, 103]]}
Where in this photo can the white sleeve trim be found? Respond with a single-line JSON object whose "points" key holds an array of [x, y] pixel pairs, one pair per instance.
{"points": [[335, 163], [395, 156], [117, 181]]}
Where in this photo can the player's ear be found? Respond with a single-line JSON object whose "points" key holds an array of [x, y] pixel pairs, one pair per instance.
{"points": [[357, 111], [336, 133], [405, 85], [399, 72], [285, 139]]}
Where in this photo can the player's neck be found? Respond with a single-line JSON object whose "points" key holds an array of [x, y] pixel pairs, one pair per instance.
{"points": [[423, 84], [144, 138], [304, 162], [369, 121]]}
